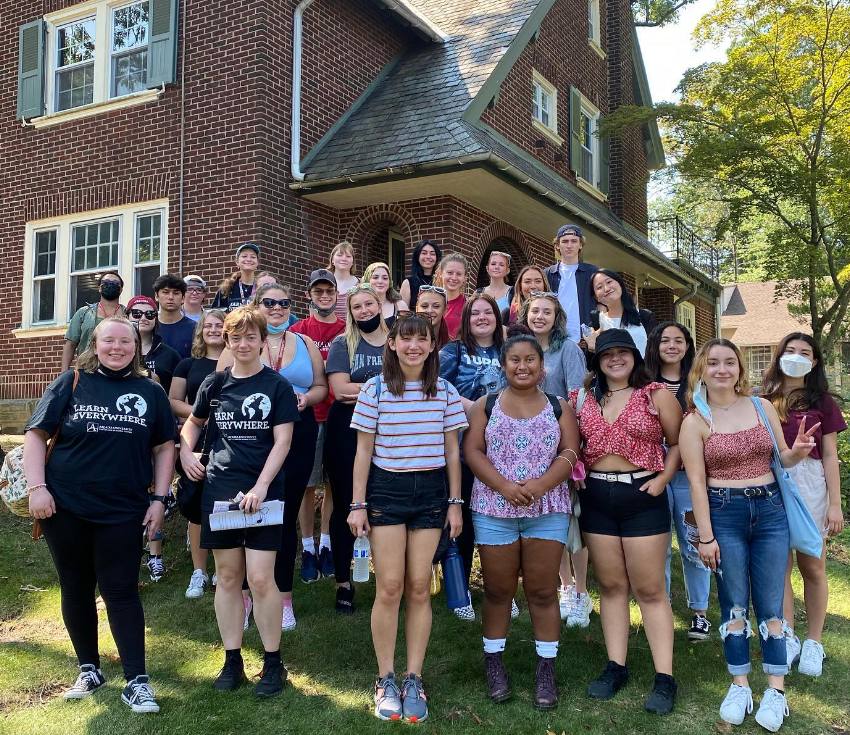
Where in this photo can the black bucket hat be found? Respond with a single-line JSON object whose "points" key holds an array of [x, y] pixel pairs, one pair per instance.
{"points": [[611, 338]]}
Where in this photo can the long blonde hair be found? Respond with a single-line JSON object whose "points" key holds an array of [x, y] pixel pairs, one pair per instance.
{"points": [[88, 362], [392, 294], [199, 347], [352, 333], [742, 385], [518, 299]]}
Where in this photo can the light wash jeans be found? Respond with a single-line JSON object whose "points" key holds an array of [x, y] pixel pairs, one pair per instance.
{"points": [[697, 575]]}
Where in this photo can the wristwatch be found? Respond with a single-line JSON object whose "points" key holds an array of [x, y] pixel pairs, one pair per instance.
{"points": [[161, 498]]}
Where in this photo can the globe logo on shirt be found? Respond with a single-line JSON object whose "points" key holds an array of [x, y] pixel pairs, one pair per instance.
{"points": [[131, 404], [256, 406]]}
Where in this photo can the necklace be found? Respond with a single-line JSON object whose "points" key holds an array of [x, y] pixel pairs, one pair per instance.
{"points": [[616, 390], [103, 311], [275, 364], [724, 408]]}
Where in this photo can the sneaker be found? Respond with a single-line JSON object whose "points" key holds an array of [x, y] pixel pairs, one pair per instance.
{"points": [[272, 680], [772, 711], [248, 605], [414, 703], [545, 688], [514, 610], [288, 621], [811, 658], [156, 568], [197, 584], [326, 563], [792, 647], [465, 612], [387, 698], [309, 570], [498, 683], [663, 695], [232, 675], [345, 600], [214, 580], [700, 628], [609, 682], [89, 680], [138, 695], [565, 600], [579, 615], [736, 705]]}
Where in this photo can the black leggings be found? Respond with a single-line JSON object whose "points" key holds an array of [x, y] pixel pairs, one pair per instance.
{"points": [[108, 556], [296, 472], [466, 540], [340, 449]]}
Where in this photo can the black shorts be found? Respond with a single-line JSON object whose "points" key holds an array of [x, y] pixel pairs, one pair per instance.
{"points": [[412, 499], [621, 509], [262, 538]]}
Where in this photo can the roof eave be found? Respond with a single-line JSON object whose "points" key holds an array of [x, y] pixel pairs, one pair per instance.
{"points": [[655, 153], [412, 15]]}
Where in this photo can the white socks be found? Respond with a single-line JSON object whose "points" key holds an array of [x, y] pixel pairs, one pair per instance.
{"points": [[309, 545], [325, 541], [546, 649], [495, 645]]}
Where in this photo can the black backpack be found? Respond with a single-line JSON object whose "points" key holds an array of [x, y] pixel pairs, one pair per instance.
{"points": [[491, 401]]}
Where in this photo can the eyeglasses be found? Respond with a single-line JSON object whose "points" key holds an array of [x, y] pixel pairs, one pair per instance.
{"points": [[323, 291], [543, 294], [271, 303], [435, 289], [195, 289], [147, 314]]}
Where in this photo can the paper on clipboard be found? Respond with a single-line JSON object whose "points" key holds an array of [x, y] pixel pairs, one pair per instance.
{"points": [[270, 513]]}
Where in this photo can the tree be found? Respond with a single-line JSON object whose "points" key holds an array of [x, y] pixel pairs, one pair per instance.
{"points": [[653, 13], [768, 130]]}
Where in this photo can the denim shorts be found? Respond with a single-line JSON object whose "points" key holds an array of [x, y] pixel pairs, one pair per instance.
{"points": [[495, 531], [413, 499]]}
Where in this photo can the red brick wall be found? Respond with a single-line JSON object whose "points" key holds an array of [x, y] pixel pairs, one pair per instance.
{"points": [[706, 323], [659, 301]]}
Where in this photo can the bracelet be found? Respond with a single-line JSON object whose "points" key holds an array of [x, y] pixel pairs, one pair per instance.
{"points": [[572, 451], [706, 543], [358, 506], [36, 487], [572, 466], [455, 501]]}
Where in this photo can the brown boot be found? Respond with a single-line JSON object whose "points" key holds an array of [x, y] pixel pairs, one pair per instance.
{"points": [[545, 688], [498, 684]]}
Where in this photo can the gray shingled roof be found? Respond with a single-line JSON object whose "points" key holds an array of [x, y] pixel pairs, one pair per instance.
{"points": [[414, 115]]}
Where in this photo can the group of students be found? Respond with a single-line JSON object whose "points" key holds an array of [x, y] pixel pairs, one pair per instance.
{"points": [[541, 422]]}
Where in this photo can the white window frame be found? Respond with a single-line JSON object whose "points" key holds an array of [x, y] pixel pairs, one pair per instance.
{"points": [[759, 355], [590, 111], [540, 84], [44, 277], [128, 217], [594, 32], [72, 273], [686, 313]]}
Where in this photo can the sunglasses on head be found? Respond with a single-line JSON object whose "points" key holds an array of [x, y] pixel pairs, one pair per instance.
{"points": [[543, 294], [147, 314], [435, 289], [271, 303], [504, 255]]}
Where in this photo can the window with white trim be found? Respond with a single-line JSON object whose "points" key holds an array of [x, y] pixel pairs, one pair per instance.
{"points": [[544, 108], [758, 358], [686, 314], [589, 140], [593, 33], [65, 255]]}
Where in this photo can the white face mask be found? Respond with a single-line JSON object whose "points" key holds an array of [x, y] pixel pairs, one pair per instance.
{"points": [[795, 366]]}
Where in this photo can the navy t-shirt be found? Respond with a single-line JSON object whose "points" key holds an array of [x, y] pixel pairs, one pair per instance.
{"points": [[178, 336], [250, 408], [239, 295], [101, 467], [474, 375]]}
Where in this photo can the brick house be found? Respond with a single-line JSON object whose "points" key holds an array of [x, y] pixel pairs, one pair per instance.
{"points": [[156, 135]]}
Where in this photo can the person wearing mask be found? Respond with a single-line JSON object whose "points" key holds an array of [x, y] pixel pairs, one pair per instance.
{"points": [[432, 303], [238, 288], [188, 377], [615, 309], [341, 264], [669, 356], [176, 330], [627, 421], [451, 275], [86, 318], [498, 271], [426, 255], [520, 508], [377, 275], [795, 383], [406, 489], [531, 278], [570, 279], [196, 294], [741, 520], [254, 415], [92, 497], [322, 326], [353, 358]]}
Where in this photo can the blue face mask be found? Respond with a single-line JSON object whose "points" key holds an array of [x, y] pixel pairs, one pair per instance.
{"points": [[701, 402], [276, 330]]}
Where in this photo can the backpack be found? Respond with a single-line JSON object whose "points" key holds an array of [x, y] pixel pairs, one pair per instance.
{"points": [[491, 401]]}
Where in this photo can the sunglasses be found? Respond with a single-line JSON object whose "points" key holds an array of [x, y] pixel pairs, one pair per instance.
{"points": [[506, 256], [435, 289], [543, 294], [148, 314], [271, 303]]}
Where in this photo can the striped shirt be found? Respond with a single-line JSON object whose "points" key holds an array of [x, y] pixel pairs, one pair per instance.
{"points": [[409, 429]]}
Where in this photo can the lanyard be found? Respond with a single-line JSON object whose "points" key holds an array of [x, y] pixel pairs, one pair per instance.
{"points": [[279, 359]]}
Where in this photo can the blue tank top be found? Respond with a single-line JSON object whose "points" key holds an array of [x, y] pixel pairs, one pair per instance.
{"points": [[299, 372]]}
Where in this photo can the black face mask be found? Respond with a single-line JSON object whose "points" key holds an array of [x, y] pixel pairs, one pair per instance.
{"points": [[367, 326], [324, 313], [110, 290]]}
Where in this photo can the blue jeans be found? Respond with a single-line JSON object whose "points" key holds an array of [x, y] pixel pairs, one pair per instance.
{"points": [[753, 537], [697, 575]]}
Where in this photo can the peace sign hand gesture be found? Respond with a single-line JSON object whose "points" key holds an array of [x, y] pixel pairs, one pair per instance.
{"points": [[804, 442]]}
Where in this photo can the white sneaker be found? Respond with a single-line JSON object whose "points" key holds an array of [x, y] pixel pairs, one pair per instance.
{"points": [[214, 580], [288, 622], [579, 615], [736, 705], [514, 610], [247, 605], [792, 647], [466, 612], [565, 598], [772, 711], [811, 658], [197, 584]]}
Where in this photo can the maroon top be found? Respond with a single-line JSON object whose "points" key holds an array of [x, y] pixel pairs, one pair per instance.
{"points": [[831, 422]]}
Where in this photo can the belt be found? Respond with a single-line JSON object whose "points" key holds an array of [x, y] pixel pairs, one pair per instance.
{"points": [[626, 477], [758, 491]]}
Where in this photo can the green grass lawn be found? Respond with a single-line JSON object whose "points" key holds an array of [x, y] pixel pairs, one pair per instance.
{"points": [[331, 665]]}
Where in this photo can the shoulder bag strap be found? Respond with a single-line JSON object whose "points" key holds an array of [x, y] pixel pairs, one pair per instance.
{"points": [[580, 399], [556, 406], [489, 404], [212, 427], [52, 442], [766, 423]]}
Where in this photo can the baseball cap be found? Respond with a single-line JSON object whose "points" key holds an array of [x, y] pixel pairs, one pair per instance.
{"points": [[321, 274], [144, 301], [248, 246], [569, 230], [193, 280]]}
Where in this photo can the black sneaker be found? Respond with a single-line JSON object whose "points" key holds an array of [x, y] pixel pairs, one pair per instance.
{"points": [[309, 571], [326, 563], [89, 680], [138, 695], [663, 696], [609, 682], [345, 600], [232, 675], [700, 628], [272, 678]]}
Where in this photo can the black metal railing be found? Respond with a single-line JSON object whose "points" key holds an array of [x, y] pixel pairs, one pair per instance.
{"points": [[678, 241]]}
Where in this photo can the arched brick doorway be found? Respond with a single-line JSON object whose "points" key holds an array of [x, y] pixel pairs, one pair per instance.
{"points": [[387, 233], [506, 245]]}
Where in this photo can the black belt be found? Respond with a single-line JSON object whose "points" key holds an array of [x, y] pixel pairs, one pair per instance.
{"points": [[757, 491]]}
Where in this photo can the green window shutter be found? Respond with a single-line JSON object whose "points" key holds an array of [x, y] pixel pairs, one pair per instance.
{"points": [[162, 50], [31, 70], [604, 164], [575, 130]]}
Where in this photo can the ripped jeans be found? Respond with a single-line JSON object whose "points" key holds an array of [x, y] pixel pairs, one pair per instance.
{"points": [[753, 537], [697, 575]]}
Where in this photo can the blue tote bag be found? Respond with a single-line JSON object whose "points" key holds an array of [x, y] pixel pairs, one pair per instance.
{"points": [[804, 534]]}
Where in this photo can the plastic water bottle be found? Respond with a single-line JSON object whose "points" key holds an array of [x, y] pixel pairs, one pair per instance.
{"points": [[361, 560], [454, 578]]}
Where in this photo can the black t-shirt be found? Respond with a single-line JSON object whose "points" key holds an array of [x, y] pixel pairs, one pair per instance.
{"points": [[239, 295], [101, 467], [178, 336], [162, 360], [194, 371], [250, 408]]}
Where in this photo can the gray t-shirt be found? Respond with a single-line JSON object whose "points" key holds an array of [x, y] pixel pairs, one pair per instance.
{"points": [[565, 369], [368, 360]]}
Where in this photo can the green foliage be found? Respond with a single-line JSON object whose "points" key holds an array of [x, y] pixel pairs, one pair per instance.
{"points": [[657, 12]]}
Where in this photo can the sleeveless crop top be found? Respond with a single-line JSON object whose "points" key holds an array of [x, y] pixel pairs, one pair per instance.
{"points": [[636, 434], [299, 372], [741, 455]]}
